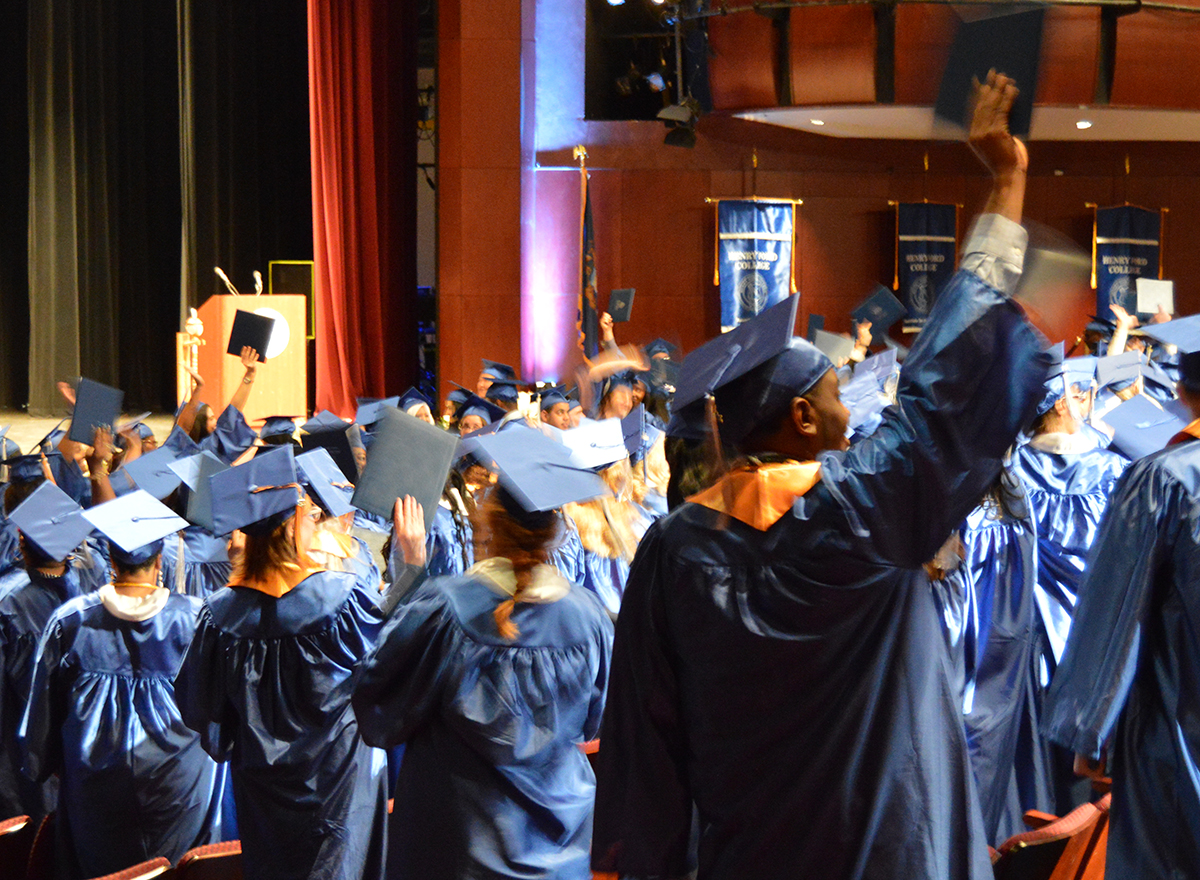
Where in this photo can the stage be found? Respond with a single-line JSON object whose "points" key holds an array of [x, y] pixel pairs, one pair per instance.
{"points": [[25, 430]]}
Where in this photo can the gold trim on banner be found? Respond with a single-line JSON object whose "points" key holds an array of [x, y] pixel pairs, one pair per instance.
{"points": [[717, 236]]}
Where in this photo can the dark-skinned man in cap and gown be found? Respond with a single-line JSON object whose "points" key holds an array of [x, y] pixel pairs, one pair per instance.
{"points": [[779, 663]]}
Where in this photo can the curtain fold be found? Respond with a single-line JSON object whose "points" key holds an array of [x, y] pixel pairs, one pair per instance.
{"points": [[14, 218], [362, 112]]}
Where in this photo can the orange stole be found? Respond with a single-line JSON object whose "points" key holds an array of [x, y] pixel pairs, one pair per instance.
{"points": [[280, 582], [1192, 431], [760, 496]]}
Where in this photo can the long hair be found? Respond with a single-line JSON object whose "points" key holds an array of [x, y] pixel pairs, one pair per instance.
{"points": [[525, 540], [200, 425], [605, 524], [264, 554]]}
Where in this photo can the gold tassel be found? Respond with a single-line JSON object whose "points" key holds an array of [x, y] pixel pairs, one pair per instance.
{"points": [[896, 277], [1095, 211]]}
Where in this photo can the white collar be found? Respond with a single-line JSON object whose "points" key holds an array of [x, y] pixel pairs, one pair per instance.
{"points": [[135, 608], [1062, 443], [547, 584]]}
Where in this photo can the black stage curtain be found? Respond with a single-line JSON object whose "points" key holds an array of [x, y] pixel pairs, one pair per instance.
{"points": [[113, 158], [14, 211]]}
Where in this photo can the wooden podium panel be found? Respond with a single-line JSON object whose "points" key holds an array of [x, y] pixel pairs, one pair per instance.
{"points": [[281, 386]]}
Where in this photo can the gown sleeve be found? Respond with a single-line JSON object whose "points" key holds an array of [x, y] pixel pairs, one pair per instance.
{"points": [[201, 693], [1100, 660], [45, 714], [402, 680], [643, 809], [971, 383], [231, 438]]}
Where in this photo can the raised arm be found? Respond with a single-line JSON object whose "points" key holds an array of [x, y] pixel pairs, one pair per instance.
{"points": [[250, 361]]}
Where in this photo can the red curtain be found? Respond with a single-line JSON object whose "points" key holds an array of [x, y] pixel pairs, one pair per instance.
{"points": [[363, 104]]}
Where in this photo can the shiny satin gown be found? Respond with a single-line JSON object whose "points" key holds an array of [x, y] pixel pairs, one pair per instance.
{"points": [[793, 683], [1130, 676], [267, 684], [102, 716]]}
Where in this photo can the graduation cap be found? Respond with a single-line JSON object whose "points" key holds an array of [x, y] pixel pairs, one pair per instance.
{"points": [[537, 473], [1153, 373], [196, 471], [596, 443], [552, 396], [477, 406], [278, 428], [412, 397], [458, 394], [620, 304], [638, 432], [1184, 333], [1141, 428], [733, 354], [338, 443], [881, 308], [408, 457], [96, 406], [179, 441], [1119, 371], [1010, 44], [49, 443], [51, 521], [151, 472], [8, 448], [1080, 370], [834, 346], [26, 468], [497, 370], [504, 390], [325, 482], [258, 496], [661, 346], [250, 329], [135, 525], [370, 410], [325, 421]]}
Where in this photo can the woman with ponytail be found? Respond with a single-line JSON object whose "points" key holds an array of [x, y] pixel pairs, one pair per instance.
{"points": [[492, 680]]}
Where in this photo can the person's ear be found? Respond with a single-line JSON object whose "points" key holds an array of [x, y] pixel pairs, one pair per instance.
{"points": [[1062, 407], [804, 417]]}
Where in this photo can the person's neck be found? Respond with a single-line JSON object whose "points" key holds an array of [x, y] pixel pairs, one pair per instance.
{"points": [[1060, 425]]}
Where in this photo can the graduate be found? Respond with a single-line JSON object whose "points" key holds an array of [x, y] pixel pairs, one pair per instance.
{"points": [[50, 526], [1008, 755], [266, 683], [1124, 699], [226, 435], [1068, 481], [334, 546], [135, 782], [493, 680], [554, 408], [450, 542], [779, 662]]}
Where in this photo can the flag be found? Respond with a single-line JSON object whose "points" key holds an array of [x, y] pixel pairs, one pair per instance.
{"points": [[589, 316], [926, 254], [1125, 247]]}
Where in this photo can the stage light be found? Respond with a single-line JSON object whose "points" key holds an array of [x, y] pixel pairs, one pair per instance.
{"points": [[656, 82], [1083, 124], [658, 2], [680, 113]]}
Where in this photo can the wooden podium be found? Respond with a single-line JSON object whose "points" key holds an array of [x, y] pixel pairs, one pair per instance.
{"points": [[281, 386]]}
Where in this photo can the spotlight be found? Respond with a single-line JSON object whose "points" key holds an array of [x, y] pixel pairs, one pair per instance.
{"points": [[680, 113], [681, 122], [656, 82]]}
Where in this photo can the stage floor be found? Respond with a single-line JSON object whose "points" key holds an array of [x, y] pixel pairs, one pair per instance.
{"points": [[26, 430]]}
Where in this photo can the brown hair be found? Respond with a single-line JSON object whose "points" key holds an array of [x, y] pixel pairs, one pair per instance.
{"points": [[200, 424], [526, 541], [264, 554]]}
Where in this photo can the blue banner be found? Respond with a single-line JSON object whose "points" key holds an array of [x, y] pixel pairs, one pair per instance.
{"points": [[1125, 247], [588, 316], [754, 257], [926, 253]]}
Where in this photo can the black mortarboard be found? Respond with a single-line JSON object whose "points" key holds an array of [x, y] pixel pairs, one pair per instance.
{"points": [[733, 354], [1009, 44], [620, 304], [252, 330], [96, 406], [52, 521], [408, 457], [135, 525], [881, 308]]}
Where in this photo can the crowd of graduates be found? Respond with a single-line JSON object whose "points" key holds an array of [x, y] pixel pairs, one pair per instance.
{"points": [[839, 619]]}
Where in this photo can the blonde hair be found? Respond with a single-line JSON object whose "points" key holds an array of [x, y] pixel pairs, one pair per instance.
{"points": [[605, 524]]}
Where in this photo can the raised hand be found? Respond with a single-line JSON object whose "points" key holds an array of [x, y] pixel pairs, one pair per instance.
{"points": [[408, 529], [249, 357], [1003, 154]]}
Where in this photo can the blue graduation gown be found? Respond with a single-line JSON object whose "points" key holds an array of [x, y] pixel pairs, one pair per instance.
{"points": [[793, 683], [568, 556], [1068, 494], [102, 716], [446, 545], [230, 438], [267, 683], [605, 577], [1007, 752], [25, 608], [1131, 670], [206, 565], [493, 783]]}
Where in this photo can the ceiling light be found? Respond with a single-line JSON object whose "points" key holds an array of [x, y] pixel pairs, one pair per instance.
{"points": [[817, 121], [1083, 124], [616, 2]]}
